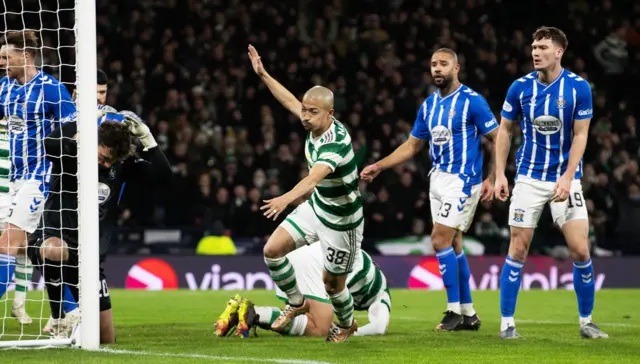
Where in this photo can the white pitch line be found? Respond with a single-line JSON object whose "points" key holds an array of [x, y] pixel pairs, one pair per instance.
{"points": [[210, 357], [541, 322]]}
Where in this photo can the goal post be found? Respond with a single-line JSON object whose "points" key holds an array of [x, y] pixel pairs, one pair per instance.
{"points": [[88, 217], [67, 36]]}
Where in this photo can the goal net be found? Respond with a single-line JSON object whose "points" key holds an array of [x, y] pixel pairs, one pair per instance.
{"points": [[38, 79]]}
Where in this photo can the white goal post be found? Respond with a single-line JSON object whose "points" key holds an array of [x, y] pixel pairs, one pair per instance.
{"points": [[88, 217], [87, 333]]}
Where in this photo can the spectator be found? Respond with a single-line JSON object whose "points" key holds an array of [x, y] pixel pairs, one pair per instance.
{"points": [[182, 65]]}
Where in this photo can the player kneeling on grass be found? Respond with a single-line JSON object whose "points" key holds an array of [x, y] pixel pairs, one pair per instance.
{"points": [[368, 286], [55, 246]]}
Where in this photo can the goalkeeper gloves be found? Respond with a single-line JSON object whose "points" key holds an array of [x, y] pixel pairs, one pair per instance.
{"points": [[104, 109], [139, 129]]}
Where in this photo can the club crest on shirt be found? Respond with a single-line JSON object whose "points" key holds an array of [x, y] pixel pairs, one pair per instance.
{"points": [[112, 173], [440, 135], [104, 192], [452, 113], [561, 102]]}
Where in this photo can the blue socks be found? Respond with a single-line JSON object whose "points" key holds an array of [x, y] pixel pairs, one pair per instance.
{"points": [[464, 274], [509, 286], [7, 266], [584, 285], [449, 272], [69, 302]]}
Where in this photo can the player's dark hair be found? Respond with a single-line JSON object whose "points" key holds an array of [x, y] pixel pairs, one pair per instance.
{"points": [[118, 138], [556, 35], [448, 51], [102, 77], [25, 39]]}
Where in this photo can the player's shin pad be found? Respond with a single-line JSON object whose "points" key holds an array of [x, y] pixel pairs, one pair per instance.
{"points": [[283, 274], [23, 273]]}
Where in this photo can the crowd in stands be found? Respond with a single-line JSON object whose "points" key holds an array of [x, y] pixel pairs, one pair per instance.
{"points": [[183, 66]]}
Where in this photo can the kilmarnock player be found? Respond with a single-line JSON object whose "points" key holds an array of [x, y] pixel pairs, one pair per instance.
{"points": [[555, 108], [452, 120], [102, 88], [331, 215], [368, 286], [57, 240], [69, 304], [23, 269], [34, 103]]}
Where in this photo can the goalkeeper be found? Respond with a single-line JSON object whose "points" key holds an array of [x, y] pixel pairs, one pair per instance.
{"points": [[57, 239], [368, 286]]}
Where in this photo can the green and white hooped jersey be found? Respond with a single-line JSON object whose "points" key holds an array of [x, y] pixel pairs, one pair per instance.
{"points": [[5, 159], [336, 199], [367, 284]]}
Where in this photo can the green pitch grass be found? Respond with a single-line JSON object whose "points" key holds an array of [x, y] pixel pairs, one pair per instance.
{"points": [[176, 327]]}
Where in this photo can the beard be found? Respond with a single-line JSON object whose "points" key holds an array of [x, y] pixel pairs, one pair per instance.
{"points": [[443, 82]]}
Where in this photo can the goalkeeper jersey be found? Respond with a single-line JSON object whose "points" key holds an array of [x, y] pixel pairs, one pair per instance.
{"points": [[61, 209]]}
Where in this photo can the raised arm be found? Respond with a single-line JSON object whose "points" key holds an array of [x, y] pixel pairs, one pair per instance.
{"points": [[284, 96], [403, 153], [153, 166]]}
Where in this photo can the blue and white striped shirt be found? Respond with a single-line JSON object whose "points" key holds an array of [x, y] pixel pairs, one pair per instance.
{"points": [[33, 110], [454, 125], [547, 114]]}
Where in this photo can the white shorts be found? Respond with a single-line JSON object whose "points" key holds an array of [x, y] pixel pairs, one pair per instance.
{"points": [[341, 248], [530, 195], [450, 205], [27, 204]]}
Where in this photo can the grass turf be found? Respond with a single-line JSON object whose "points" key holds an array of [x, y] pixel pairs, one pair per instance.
{"points": [[177, 327]]}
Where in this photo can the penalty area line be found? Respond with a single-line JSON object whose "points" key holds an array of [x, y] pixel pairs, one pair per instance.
{"points": [[209, 357]]}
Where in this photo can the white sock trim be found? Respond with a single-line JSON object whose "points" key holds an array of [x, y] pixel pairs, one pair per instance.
{"points": [[505, 322]]}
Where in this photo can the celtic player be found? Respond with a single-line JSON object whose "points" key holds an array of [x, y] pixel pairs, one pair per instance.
{"points": [[332, 215], [368, 286], [23, 271]]}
